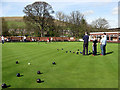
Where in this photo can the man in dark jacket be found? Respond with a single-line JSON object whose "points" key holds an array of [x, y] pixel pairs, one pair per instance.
{"points": [[85, 45]]}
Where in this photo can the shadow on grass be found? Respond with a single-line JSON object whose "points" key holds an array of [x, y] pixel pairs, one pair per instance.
{"points": [[98, 53], [8, 86], [39, 73], [109, 52], [90, 53], [21, 75], [40, 81]]}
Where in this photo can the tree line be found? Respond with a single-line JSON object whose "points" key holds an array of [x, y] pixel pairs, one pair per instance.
{"points": [[39, 21]]}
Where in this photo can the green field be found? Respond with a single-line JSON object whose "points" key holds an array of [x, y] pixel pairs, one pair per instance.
{"points": [[15, 24], [71, 70]]}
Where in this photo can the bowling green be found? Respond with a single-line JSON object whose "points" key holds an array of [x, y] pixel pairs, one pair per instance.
{"points": [[71, 70]]}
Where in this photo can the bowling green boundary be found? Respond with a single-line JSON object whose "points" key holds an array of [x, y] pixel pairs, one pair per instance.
{"points": [[71, 70]]}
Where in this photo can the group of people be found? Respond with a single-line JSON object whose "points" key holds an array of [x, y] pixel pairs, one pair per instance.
{"points": [[5, 39], [49, 40], [102, 41]]}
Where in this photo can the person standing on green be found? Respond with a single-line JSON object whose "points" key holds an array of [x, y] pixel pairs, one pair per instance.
{"points": [[85, 44]]}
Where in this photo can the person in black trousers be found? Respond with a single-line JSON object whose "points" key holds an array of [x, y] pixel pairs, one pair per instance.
{"points": [[94, 46], [85, 44]]}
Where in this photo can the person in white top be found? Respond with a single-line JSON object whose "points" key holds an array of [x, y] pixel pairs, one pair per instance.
{"points": [[51, 39], [32, 39], [2, 38], [47, 40], [24, 38], [103, 44], [105, 36]]}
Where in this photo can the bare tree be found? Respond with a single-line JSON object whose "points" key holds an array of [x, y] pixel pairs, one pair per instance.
{"points": [[76, 17], [76, 20], [100, 23], [39, 13], [60, 16]]}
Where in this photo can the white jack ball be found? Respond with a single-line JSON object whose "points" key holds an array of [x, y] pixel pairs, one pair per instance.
{"points": [[28, 63]]}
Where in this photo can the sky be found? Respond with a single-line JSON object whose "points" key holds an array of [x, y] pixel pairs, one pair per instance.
{"points": [[92, 9]]}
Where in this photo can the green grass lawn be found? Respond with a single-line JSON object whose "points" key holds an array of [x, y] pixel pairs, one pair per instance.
{"points": [[15, 24], [71, 70]]}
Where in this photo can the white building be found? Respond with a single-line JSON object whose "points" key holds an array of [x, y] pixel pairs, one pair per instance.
{"points": [[111, 36]]}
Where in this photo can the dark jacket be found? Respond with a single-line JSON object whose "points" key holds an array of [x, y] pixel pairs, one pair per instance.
{"points": [[86, 38]]}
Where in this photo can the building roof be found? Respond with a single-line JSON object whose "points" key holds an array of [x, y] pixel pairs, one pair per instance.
{"points": [[102, 32]]}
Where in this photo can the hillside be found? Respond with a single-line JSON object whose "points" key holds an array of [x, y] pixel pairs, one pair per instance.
{"points": [[14, 18], [18, 21], [15, 22]]}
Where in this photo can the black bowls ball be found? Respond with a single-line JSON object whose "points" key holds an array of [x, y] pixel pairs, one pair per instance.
{"points": [[77, 53], [38, 81], [54, 63], [16, 62], [18, 74], [4, 85], [38, 72]]}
